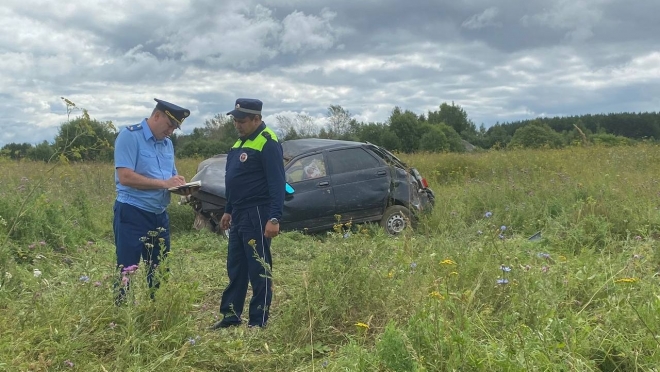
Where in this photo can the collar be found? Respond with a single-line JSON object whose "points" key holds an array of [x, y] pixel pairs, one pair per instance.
{"points": [[254, 134], [148, 134]]}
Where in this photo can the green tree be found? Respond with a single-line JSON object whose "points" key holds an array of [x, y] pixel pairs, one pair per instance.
{"points": [[536, 135], [16, 150], [43, 152], [406, 126], [339, 120], [86, 139], [455, 117], [434, 140]]}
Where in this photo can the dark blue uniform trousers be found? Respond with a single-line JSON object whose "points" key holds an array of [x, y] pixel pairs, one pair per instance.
{"points": [[133, 229], [248, 225]]}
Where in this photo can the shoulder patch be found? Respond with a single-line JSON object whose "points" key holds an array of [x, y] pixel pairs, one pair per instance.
{"points": [[266, 134], [134, 127]]}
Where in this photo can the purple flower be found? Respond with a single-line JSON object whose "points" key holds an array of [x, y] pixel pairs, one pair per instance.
{"points": [[97, 284], [503, 281], [545, 269], [413, 265], [42, 242], [488, 214], [543, 255], [68, 363], [84, 279], [130, 269], [501, 236], [638, 237], [124, 280], [191, 341], [31, 246], [503, 228], [506, 269]]}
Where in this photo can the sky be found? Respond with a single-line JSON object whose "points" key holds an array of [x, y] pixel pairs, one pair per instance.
{"points": [[500, 60]]}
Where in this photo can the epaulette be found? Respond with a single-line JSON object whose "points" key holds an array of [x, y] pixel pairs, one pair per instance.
{"points": [[134, 127], [267, 135]]}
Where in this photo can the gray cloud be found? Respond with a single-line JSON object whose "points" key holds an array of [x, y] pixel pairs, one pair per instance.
{"points": [[520, 59]]}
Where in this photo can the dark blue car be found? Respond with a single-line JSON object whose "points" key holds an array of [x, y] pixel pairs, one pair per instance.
{"points": [[328, 180]]}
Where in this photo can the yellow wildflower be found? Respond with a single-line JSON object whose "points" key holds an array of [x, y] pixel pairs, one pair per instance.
{"points": [[362, 325], [626, 280], [447, 262], [453, 273], [563, 258], [252, 242], [437, 295], [390, 274]]}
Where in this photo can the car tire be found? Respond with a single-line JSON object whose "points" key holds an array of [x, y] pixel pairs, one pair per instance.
{"points": [[396, 219]]}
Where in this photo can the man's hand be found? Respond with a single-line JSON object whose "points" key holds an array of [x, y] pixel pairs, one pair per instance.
{"points": [[225, 221], [175, 181], [271, 230]]}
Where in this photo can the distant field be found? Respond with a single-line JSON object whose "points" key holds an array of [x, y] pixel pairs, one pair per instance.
{"points": [[467, 291]]}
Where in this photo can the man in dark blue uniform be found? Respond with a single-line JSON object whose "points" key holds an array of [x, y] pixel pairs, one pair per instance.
{"points": [[255, 184], [144, 170]]}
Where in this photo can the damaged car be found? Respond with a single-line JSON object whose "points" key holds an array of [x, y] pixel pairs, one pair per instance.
{"points": [[328, 182]]}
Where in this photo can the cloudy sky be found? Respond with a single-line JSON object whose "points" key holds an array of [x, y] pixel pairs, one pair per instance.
{"points": [[500, 60]]}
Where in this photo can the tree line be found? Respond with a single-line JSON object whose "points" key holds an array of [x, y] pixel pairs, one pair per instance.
{"points": [[447, 129]]}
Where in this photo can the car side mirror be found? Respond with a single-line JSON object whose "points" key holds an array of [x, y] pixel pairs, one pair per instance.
{"points": [[288, 189]]}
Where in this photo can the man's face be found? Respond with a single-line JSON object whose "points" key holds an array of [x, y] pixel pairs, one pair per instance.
{"points": [[164, 126], [247, 125]]}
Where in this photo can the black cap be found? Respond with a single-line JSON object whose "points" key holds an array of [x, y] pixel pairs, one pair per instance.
{"points": [[176, 114], [245, 107]]}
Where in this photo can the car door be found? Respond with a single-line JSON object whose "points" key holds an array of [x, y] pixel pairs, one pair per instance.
{"points": [[312, 205], [360, 182]]}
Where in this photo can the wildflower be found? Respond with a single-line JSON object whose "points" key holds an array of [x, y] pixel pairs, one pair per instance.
{"points": [[112, 325], [347, 234], [501, 236], [503, 281], [161, 229], [193, 341], [8, 275], [543, 255], [68, 363], [84, 279], [362, 325], [437, 295], [325, 363], [31, 246], [130, 269], [638, 237], [503, 228], [626, 280], [479, 232], [545, 269], [637, 257], [506, 269], [447, 261], [413, 265], [124, 280], [252, 242], [390, 274], [488, 214], [36, 272], [97, 284], [527, 267], [562, 258], [42, 243], [90, 242], [453, 273]]}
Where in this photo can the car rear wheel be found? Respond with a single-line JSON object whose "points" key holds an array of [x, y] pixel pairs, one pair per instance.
{"points": [[396, 219]]}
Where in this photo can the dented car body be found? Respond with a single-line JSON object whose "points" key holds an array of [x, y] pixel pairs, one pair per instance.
{"points": [[329, 181]]}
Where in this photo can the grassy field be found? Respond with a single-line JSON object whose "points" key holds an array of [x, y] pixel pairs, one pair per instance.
{"points": [[467, 291]]}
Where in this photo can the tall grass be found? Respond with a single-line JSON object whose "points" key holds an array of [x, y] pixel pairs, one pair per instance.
{"points": [[466, 291]]}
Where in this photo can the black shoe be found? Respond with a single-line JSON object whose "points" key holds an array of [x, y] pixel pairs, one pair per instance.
{"points": [[224, 324]]}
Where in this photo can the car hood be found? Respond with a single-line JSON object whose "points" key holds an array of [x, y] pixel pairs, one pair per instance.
{"points": [[212, 174]]}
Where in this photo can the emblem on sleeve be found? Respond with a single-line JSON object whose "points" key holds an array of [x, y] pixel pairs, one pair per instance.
{"points": [[243, 157]]}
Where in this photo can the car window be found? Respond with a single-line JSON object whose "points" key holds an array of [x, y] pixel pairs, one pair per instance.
{"points": [[306, 168], [350, 160]]}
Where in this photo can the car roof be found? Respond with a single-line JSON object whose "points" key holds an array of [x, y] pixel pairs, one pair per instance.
{"points": [[293, 148]]}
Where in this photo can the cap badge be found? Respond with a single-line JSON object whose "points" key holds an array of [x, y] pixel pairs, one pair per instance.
{"points": [[243, 157], [238, 106]]}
